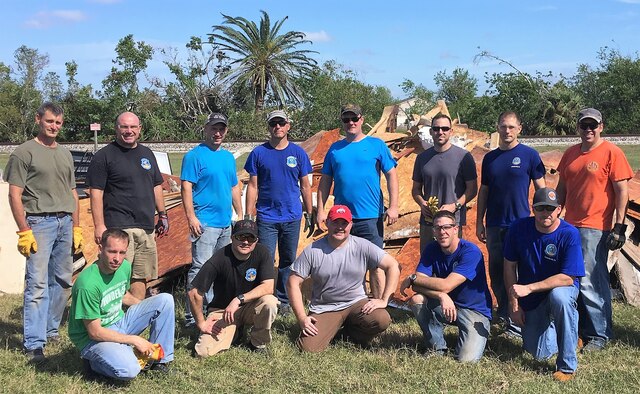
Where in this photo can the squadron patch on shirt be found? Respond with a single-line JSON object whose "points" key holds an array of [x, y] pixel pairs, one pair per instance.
{"points": [[551, 250], [593, 166], [516, 161], [291, 161], [250, 275], [145, 163]]}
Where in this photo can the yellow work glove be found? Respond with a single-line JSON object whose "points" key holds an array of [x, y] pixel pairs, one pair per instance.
{"points": [[78, 240], [26, 243]]}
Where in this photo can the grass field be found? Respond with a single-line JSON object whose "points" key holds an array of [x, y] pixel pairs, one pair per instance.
{"points": [[393, 365]]}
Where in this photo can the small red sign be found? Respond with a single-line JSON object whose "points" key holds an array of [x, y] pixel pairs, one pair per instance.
{"points": [[95, 126]]}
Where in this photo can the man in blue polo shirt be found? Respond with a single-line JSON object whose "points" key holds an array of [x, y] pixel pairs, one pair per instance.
{"points": [[542, 264], [278, 172], [451, 288], [507, 173]]}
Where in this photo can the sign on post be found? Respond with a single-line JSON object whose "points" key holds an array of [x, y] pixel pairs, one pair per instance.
{"points": [[95, 127]]}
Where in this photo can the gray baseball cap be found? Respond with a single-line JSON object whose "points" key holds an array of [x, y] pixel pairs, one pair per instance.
{"points": [[277, 114], [591, 113], [217, 117]]}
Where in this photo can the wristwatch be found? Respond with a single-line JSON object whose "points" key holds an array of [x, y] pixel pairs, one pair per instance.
{"points": [[241, 298], [412, 278], [458, 206]]}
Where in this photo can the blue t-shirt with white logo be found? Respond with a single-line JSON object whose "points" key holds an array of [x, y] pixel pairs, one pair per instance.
{"points": [[355, 168], [278, 173], [466, 260], [540, 256], [507, 174]]}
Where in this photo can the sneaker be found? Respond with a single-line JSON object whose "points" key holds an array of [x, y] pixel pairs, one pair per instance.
{"points": [[563, 376], [54, 339], [35, 356], [258, 349], [284, 310], [161, 367], [592, 346]]}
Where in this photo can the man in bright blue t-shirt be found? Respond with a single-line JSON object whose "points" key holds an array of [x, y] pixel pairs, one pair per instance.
{"points": [[451, 288], [209, 190], [507, 173], [353, 166], [278, 172], [542, 263]]}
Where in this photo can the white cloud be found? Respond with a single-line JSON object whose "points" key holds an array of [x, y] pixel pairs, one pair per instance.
{"points": [[317, 36], [45, 19]]}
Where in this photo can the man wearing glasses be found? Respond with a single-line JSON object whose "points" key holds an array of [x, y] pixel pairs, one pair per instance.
{"points": [[451, 288], [242, 275], [353, 166], [126, 189], [444, 171], [278, 172], [209, 189], [542, 264], [593, 183]]}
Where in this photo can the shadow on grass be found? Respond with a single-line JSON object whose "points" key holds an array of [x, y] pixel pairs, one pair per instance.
{"points": [[627, 336], [11, 330]]}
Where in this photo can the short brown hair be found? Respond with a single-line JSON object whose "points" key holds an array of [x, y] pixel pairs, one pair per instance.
{"points": [[114, 233], [445, 214]]}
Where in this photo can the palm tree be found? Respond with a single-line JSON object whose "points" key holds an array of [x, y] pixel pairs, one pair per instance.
{"points": [[263, 58]]}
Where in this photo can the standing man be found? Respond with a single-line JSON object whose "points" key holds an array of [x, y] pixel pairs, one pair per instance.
{"points": [[209, 189], [451, 287], [107, 337], [594, 177], [44, 204], [278, 172], [353, 165], [507, 173], [444, 171], [543, 262], [126, 186], [337, 265], [242, 275]]}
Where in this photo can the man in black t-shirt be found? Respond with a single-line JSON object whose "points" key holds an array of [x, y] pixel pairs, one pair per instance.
{"points": [[242, 274]]}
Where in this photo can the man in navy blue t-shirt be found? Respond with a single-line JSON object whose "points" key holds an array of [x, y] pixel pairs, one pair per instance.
{"points": [[278, 172], [542, 264], [451, 287], [507, 173]]}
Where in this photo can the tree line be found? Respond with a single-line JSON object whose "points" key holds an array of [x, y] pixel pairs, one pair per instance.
{"points": [[246, 69]]}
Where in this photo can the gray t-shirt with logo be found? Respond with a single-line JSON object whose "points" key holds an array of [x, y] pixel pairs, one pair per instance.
{"points": [[338, 274]]}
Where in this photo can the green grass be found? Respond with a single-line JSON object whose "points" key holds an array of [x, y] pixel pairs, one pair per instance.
{"points": [[4, 158], [176, 162], [631, 151], [393, 365]]}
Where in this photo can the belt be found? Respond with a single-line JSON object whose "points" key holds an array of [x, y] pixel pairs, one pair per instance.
{"points": [[50, 214]]}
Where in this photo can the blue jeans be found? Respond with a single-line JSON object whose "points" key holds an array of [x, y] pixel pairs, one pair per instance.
{"points": [[202, 248], [594, 303], [117, 360], [370, 229], [286, 236], [552, 327], [47, 278], [473, 329]]}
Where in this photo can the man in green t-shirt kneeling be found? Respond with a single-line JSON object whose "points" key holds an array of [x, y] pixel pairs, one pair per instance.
{"points": [[107, 336]]}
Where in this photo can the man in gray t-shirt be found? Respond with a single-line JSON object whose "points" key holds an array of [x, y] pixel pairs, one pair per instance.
{"points": [[337, 264]]}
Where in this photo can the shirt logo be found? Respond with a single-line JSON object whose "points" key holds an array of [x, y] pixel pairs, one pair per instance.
{"points": [[145, 163], [291, 161], [593, 166], [516, 161], [250, 275], [551, 250]]}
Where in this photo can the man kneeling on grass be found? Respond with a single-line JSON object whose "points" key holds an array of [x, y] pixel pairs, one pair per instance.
{"points": [[542, 263], [451, 287], [337, 264], [242, 275], [107, 337]]}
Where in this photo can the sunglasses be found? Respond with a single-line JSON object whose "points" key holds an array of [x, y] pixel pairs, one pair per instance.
{"points": [[280, 123], [245, 237], [547, 208], [353, 119], [438, 128], [444, 227], [589, 126]]}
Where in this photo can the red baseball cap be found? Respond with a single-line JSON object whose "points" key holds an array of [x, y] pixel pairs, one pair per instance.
{"points": [[340, 212]]}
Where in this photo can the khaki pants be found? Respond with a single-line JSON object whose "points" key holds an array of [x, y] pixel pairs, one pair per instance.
{"points": [[259, 313], [142, 253], [359, 327]]}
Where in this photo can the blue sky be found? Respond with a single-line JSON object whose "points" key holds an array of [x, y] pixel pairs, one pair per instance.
{"points": [[383, 41]]}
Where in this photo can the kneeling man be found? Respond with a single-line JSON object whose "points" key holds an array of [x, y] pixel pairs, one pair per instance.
{"points": [[451, 286], [542, 264], [107, 336], [242, 275], [337, 264]]}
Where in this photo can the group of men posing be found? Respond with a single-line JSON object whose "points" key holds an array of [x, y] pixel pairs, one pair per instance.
{"points": [[544, 271]]}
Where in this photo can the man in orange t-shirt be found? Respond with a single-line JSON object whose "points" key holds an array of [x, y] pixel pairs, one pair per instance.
{"points": [[593, 184]]}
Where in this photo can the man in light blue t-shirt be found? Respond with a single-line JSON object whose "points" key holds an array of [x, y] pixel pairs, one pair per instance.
{"points": [[353, 166], [209, 190], [278, 172]]}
